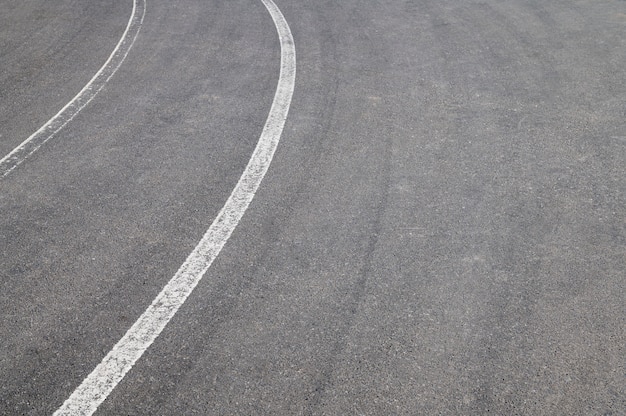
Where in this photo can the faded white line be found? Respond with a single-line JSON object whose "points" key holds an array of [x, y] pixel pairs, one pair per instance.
{"points": [[84, 97], [112, 369]]}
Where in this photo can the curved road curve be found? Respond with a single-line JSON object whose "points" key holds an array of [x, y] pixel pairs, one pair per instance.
{"points": [[442, 229]]}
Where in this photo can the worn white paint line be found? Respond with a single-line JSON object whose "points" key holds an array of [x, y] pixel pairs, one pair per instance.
{"points": [[99, 384], [84, 97]]}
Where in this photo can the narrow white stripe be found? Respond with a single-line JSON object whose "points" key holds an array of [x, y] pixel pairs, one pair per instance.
{"points": [[84, 97], [99, 384]]}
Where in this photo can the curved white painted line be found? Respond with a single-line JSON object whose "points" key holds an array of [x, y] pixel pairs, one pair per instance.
{"points": [[112, 369], [84, 97]]}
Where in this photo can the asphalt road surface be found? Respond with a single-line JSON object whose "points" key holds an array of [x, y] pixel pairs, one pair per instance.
{"points": [[442, 229]]}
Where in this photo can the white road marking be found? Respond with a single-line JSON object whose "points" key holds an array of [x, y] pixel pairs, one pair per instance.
{"points": [[112, 369], [84, 97]]}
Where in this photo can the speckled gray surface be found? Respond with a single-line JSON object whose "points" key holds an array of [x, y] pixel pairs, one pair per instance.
{"points": [[442, 230]]}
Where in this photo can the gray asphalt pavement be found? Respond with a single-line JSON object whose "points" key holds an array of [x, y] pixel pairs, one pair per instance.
{"points": [[442, 229]]}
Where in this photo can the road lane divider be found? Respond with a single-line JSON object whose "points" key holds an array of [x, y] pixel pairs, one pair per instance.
{"points": [[119, 361], [29, 146]]}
